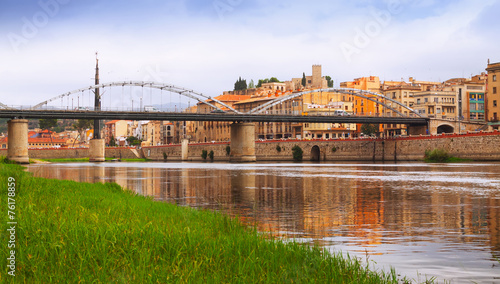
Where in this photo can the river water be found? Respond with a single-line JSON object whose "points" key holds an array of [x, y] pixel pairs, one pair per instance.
{"points": [[425, 220]]}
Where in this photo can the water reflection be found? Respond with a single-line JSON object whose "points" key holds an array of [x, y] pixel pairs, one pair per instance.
{"points": [[440, 220]]}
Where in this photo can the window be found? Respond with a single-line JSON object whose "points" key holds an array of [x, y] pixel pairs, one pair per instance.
{"points": [[418, 101], [494, 90], [473, 107], [494, 103], [480, 106], [426, 100], [494, 78]]}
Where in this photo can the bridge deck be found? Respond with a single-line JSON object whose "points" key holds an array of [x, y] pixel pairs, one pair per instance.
{"points": [[176, 116]]}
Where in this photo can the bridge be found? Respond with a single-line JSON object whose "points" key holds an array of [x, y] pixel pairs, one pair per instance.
{"points": [[242, 128]]}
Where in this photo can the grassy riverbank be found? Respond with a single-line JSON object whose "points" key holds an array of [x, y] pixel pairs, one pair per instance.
{"points": [[442, 156], [77, 232]]}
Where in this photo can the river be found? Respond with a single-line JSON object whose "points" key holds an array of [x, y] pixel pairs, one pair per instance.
{"points": [[425, 220]]}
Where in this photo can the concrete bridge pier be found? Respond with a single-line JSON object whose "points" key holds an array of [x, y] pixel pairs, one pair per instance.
{"points": [[18, 141], [96, 150], [242, 142], [185, 149]]}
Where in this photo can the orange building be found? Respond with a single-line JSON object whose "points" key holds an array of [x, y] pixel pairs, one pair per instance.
{"points": [[363, 106]]}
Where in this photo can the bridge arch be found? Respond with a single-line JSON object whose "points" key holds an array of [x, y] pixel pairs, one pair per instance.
{"points": [[155, 85], [445, 128], [354, 92], [315, 153], [4, 106]]}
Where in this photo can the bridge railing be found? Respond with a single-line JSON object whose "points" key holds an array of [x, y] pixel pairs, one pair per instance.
{"points": [[275, 112]]}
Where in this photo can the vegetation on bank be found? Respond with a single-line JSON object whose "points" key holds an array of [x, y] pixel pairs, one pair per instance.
{"points": [[441, 156], [99, 233], [297, 153]]}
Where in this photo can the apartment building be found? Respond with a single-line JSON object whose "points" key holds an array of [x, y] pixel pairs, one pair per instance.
{"points": [[493, 94]]}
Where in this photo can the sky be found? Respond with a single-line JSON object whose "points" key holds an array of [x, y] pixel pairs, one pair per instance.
{"points": [[48, 47]]}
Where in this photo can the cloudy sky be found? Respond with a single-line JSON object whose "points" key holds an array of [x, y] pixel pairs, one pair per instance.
{"points": [[48, 46]]}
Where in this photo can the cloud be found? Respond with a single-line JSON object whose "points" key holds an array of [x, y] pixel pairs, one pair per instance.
{"points": [[191, 45]]}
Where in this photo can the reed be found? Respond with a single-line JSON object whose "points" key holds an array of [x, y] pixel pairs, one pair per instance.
{"points": [[72, 232]]}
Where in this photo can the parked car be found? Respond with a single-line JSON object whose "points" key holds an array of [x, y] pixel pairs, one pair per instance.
{"points": [[217, 111], [341, 113]]}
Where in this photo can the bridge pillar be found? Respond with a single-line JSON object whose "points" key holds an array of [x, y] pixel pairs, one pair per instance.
{"points": [[185, 149], [18, 141], [96, 150], [242, 142]]}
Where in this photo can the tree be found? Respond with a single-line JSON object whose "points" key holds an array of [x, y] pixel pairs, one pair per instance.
{"points": [[47, 123], [304, 81], [330, 81], [297, 153], [112, 142], [133, 141], [81, 125], [240, 84], [369, 129], [251, 85], [274, 80]]}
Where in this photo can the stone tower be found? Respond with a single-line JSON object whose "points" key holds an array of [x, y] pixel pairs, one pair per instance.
{"points": [[316, 76]]}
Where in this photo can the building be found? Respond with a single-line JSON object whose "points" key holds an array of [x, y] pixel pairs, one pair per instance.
{"points": [[493, 94], [403, 93], [115, 129], [315, 81], [40, 139], [436, 104], [206, 131]]}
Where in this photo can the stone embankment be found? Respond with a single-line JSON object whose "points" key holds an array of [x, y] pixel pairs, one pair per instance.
{"points": [[480, 146]]}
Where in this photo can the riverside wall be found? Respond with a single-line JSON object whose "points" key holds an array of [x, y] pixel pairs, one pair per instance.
{"points": [[75, 153], [483, 146]]}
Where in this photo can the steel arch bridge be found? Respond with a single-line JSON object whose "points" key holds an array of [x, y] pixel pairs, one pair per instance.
{"points": [[155, 85], [371, 96]]}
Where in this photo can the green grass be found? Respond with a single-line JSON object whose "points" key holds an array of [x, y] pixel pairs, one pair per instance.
{"points": [[441, 156], [72, 232]]}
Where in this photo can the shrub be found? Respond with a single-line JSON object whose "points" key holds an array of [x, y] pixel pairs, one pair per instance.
{"points": [[165, 156], [4, 160], [228, 149], [204, 154], [334, 149], [437, 156], [297, 153], [211, 155], [278, 148]]}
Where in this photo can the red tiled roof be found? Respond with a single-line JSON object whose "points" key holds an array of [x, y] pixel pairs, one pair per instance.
{"points": [[46, 140], [233, 98]]}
